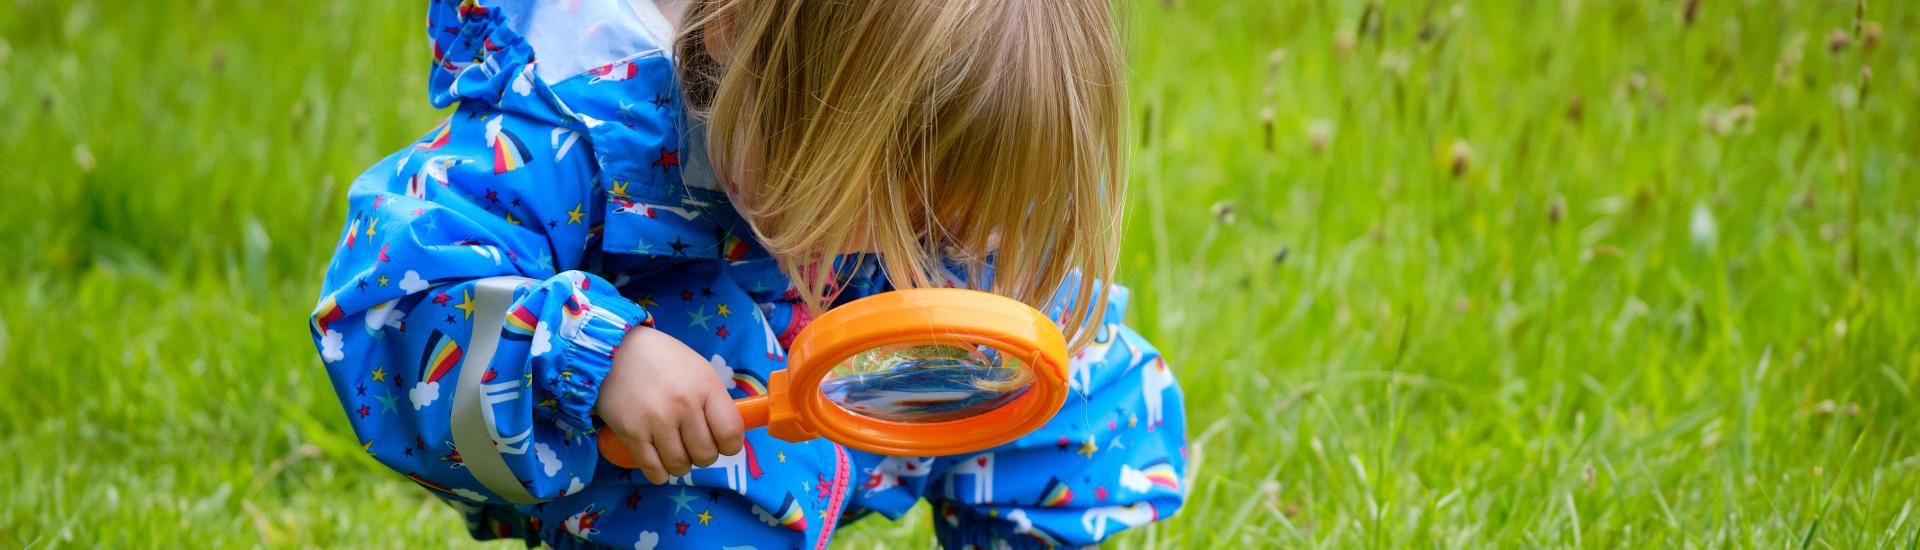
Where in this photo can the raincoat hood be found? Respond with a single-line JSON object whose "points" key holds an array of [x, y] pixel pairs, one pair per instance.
{"points": [[601, 71]]}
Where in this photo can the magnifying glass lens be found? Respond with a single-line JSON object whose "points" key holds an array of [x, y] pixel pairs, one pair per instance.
{"points": [[926, 383]]}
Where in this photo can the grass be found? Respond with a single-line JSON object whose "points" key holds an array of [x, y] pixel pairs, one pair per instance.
{"points": [[1493, 273]]}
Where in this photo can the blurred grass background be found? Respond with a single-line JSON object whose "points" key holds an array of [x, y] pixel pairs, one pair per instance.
{"points": [[1494, 272]]}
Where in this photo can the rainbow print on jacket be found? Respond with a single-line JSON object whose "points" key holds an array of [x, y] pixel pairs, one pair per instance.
{"points": [[509, 153], [441, 355]]}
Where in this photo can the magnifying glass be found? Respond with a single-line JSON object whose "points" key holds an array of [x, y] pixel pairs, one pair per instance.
{"points": [[916, 372]]}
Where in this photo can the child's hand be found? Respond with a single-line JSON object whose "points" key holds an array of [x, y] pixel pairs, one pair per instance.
{"points": [[667, 406]]}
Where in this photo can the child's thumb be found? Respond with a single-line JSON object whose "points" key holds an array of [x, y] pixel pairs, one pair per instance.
{"points": [[724, 422]]}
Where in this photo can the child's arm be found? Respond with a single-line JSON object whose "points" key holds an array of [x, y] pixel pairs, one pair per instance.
{"points": [[463, 251]]}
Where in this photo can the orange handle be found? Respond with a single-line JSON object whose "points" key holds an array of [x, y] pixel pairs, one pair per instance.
{"points": [[753, 410]]}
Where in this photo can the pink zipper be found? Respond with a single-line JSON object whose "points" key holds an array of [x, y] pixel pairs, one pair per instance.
{"points": [[835, 497]]}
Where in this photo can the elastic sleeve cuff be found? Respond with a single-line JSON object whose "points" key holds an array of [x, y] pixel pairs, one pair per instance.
{"points": [[589, 357]]}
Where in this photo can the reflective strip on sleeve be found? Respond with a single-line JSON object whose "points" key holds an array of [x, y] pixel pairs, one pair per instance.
{"points": [[473, 427]]}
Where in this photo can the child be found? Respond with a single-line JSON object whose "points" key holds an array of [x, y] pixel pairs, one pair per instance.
{"points": [[583, 244]]}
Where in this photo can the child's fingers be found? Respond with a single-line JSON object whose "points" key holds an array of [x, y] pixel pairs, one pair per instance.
{"points": [[642, 451], [724, 424], [673, 455], [699, 444]]}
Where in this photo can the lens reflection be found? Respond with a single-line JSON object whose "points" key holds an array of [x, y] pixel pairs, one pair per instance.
{"points": [[926, 383]]}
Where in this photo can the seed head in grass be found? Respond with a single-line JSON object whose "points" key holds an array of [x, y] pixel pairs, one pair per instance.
{"points": [[1280, 255], [1690, 13], [1825, 407], [1556, 209], [1274, 59], [1726, 121], [1847, 96], [1838, 40], [1266, 128], [83, 158], [1576, 108], [1870, 37], [1702, 227], [1832, 408], [1829, 232], [1787, 68], [1395, 63], [1319, 134], [1343, 41], [1223, 212], [1459, 158]]}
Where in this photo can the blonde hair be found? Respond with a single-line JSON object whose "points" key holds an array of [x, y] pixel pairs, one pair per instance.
{"points": [[927, 131]]}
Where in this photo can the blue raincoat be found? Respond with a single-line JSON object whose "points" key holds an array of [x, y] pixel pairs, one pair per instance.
{"points": [[488, 272]]}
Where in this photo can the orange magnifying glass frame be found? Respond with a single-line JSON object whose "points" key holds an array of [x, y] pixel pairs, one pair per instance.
{"points": [[794, 409]]}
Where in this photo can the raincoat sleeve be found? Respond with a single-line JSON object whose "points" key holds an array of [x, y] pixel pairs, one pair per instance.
{"points": [[455, 324]]}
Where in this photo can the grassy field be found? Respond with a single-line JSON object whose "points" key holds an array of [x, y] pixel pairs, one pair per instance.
{"points": [[1488, 273]]}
